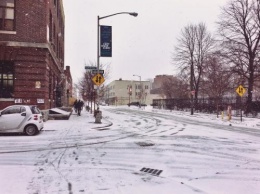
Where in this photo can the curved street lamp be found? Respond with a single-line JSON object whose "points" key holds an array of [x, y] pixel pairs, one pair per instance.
{"points": [[100, 18]]}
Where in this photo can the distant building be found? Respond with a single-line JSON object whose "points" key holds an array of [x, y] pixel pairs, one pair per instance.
{"points": [[68, 86], [157, 84], [32, 53], [121, 92], [158, 81]]}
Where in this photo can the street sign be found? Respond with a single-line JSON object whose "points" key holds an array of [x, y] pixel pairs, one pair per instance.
{"points": [[95, 71], [240, 90], [90, 67], [98, 79]]}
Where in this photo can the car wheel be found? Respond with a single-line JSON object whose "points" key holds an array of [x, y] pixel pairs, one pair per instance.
{"points": [[31, 130]]}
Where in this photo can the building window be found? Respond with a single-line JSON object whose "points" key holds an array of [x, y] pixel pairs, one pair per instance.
{"points": [[50, 27], [138, 87], [58, 5], [7, 15], [6, 79], [53, 35]]}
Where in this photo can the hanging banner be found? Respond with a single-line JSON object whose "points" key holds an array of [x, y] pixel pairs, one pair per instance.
{"points": [[106, 41]]}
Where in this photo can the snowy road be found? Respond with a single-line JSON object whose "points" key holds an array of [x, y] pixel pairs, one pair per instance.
{"points": [[190, 154]]}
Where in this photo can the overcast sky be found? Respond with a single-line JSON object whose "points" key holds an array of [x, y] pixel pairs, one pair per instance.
{"points": [[142, 45]]}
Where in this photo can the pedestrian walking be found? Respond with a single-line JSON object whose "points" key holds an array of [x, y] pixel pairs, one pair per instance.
{"points": [[74, 105], [79, 105]]}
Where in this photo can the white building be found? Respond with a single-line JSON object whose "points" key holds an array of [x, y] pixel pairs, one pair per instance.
{"points": [[122, 92]]}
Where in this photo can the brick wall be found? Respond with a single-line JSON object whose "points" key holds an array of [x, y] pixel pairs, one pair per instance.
{"points": [[42, 63], [30, 22]]}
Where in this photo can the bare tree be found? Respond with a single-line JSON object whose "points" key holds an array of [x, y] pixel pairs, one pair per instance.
{"points": [[239, 27], [86, 85], [194, 46], [217, 79], [174, 87]]}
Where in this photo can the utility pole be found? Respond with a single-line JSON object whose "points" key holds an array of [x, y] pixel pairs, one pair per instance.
{"points": [[192, 89]]}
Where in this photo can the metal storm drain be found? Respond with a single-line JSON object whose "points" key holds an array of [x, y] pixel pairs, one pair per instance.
{"points": [[152, 171]]}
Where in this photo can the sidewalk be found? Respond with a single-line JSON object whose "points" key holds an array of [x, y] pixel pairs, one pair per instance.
{"points": [[86, 122], [235, 120], [91, 120]]}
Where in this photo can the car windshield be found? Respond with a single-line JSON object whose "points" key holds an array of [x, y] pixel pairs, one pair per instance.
{"points": [[35, 110]]}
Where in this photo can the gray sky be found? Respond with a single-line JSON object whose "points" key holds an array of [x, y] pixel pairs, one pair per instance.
{"points": [[141, 45]]}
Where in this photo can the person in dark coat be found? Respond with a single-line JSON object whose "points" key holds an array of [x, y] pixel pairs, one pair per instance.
{"points": [[74, 105], [79, 106]]}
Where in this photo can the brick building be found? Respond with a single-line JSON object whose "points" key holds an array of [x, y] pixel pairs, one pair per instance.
{"points": [[32, 53], [156, 91], [68, 86], [159, 79]]}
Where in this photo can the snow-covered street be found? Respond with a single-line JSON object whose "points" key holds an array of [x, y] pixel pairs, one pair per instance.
{"points": [[143, 151]]}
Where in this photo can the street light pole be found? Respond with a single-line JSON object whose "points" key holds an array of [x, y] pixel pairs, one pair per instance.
{"points": [[98, 18], [98, 38], [140, 88]]}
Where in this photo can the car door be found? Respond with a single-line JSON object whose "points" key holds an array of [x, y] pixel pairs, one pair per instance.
{"points": [[11, 119]]}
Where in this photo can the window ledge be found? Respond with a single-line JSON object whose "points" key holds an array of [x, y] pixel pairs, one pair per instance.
{"points": [[6, 99], [7, 32]]}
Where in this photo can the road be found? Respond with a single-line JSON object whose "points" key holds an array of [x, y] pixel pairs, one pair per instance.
{"points": [[142, 152]]}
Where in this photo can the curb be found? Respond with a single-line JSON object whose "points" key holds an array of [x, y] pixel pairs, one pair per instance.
{"points": [[105, 126]]}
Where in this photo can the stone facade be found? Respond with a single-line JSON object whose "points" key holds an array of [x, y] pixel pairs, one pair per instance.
{"points": [[122, 92]]}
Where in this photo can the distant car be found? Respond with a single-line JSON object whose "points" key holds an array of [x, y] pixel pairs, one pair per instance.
{"points": [[136, 104], [133, 103], [103, 104], [21, 119]]}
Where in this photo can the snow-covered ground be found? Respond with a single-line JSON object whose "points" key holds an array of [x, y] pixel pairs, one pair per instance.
{"points": [[197, 153]]}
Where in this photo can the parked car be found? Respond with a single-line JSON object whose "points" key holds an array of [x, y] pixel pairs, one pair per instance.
{"points": [[21, 119], [136, 104]]}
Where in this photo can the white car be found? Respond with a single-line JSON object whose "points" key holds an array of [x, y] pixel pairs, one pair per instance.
{"points": [[21, 119]]}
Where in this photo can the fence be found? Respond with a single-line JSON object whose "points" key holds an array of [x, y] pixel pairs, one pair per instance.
{"points": [[207, 105]]}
